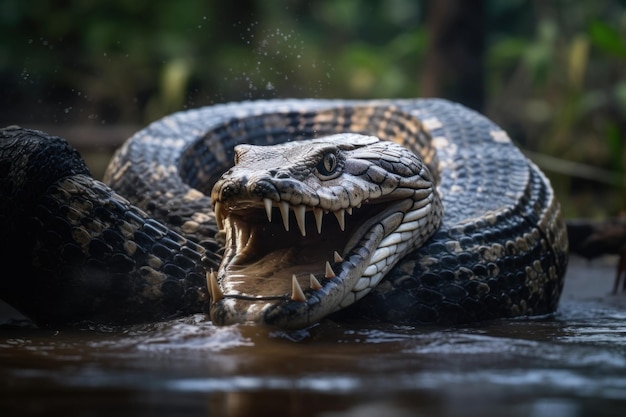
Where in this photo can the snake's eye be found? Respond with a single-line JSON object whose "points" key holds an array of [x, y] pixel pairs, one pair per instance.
{"points": [[327, 166]]}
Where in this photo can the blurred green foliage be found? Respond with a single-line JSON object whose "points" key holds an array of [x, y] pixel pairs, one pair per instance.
{"points": [[559, 89], [555, 71]]}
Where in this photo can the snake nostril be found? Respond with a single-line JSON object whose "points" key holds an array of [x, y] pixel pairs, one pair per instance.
{"points": [[282, 175], [229, 189]]}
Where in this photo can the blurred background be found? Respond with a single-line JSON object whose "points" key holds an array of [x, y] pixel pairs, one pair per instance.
{"points": [[552, 73]]}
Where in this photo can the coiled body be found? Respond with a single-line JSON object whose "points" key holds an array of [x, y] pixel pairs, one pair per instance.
{"points": [[500, 249]]}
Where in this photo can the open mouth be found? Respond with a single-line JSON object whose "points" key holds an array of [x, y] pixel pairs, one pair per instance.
{"points": [[278, 253]]}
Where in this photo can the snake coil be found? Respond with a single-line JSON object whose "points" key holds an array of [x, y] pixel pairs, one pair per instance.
{"points": [[436, 218]]}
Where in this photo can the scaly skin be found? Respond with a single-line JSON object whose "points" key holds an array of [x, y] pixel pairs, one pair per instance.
{"points": [[499, 250]]}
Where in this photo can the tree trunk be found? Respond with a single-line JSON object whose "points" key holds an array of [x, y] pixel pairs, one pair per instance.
{"points": [[454, 65]]}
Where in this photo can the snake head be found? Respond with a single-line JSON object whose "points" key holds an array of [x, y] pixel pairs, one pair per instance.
{"points": [[312, 226]]}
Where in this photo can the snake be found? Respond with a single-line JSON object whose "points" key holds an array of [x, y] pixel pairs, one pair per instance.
{"points": [[284, 212]]}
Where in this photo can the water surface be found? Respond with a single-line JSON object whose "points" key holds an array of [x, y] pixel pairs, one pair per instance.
{"points": [[570, 364]]}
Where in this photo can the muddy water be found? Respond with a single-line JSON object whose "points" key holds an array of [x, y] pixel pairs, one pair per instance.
{"points": [[572, 364]]}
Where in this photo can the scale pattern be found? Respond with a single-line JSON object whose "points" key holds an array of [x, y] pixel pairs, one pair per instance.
{"points": [[501, 250]]}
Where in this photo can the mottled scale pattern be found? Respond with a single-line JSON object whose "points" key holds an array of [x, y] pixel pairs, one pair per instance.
{"points": [[501, 250], [82, 252]]}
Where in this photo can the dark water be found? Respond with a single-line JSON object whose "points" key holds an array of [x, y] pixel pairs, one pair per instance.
{"points": [[572, 364]]}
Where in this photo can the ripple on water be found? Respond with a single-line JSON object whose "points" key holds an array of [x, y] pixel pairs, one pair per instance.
{"points": [[594, 323], [189, 333]]}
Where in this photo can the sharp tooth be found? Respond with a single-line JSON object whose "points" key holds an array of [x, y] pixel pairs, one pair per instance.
{"points": [[315, 284], [329, 271], [219, 215], [349, 211], [339, 214], [208, 283], [318, 213], [299, 212], [284, 211], [214, 288], [268, 208], [296, 291], [337, 257]]}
